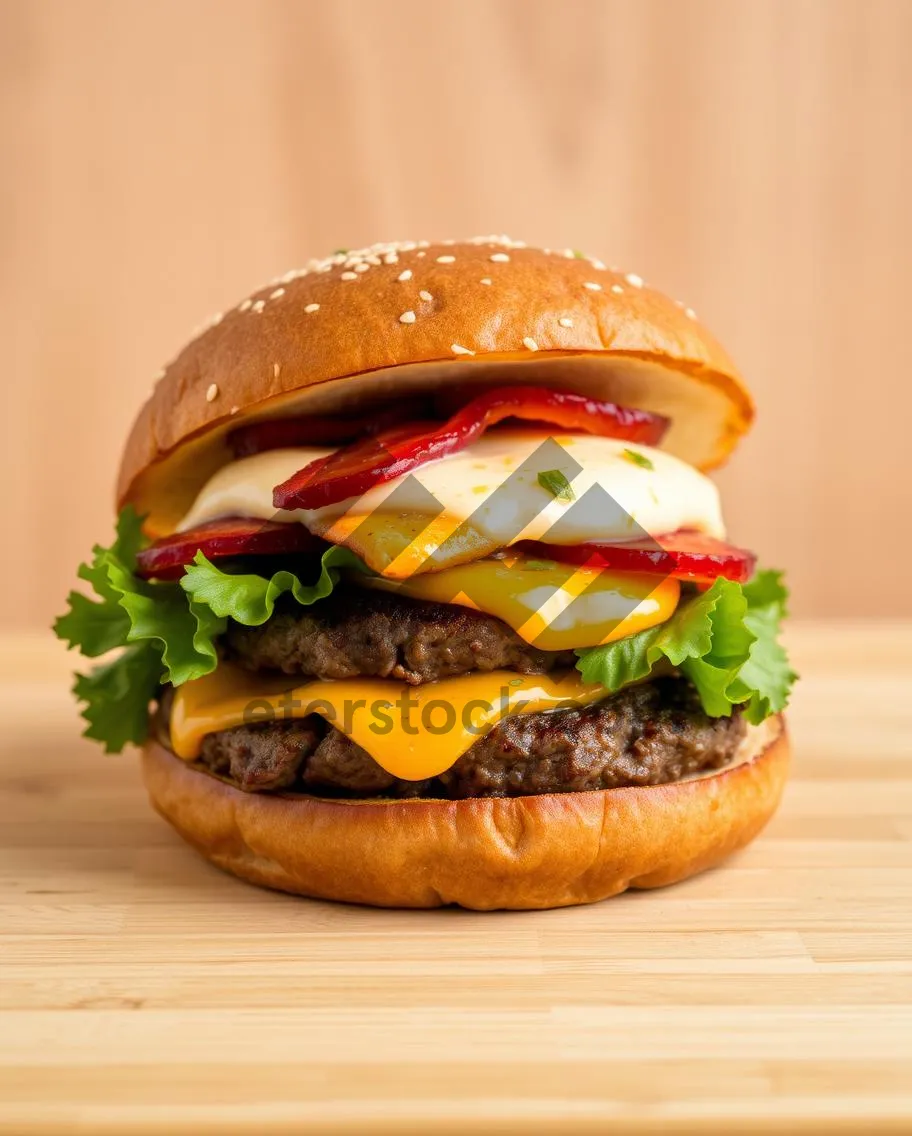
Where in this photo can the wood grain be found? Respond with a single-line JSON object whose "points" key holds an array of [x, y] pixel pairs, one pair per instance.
{"points": [[157, 160], [143, 991]]}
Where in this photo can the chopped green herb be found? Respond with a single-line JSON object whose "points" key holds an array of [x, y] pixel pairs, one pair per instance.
{"points": [[637, 458], [516, 681], [579, 255], [556, 484], [539, 565], [339, 252]]}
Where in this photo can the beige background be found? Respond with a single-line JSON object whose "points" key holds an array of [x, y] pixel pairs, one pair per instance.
{"points": [[157, 160]]}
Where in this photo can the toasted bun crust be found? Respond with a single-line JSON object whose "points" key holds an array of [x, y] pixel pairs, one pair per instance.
{"points": [[329, 336], [488, 853]]}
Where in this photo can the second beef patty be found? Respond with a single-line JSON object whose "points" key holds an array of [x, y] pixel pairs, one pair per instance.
{"points": [[647, 734]]}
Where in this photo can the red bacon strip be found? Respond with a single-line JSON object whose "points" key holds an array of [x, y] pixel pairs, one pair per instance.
{"points": [[685, 554], [354, 470], [233, 536]]}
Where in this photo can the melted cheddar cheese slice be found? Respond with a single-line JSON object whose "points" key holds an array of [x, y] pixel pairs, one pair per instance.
{"points": [[413, 732], [553, 606]]}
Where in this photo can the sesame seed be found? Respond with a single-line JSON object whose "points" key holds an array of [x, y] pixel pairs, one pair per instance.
{"points": [[312, 308], [160, 375], [426, 296], [275, 369], [633, 280], [391, 258], [422, 253], [258, 306], [403, 276], [530, 344], [499, 257], [371, 259], [349, 276], [407, 317], [485, 280], [565, 321], [690, 313], [596, 263], [458, 349], [363, 266], [212, 392], [216, 319], [277, 294], [445, 259], [234, 410], [617, 289], [592, 286], [246, 305]]}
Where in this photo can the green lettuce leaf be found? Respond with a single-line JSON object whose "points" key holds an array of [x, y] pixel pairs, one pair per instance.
{"points": [[181, 631], [251, 599], [167, 630], [117, 695], [98, 626], [723, 640], [128, 611], [767, 676]]}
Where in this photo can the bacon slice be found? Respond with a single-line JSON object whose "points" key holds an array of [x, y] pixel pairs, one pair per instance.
{"points": [[355, 469], [686, 555], [233, 536], [280, 433]]}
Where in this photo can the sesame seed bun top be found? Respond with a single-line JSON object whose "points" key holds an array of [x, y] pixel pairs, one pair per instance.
{"points": [[361, 326]]}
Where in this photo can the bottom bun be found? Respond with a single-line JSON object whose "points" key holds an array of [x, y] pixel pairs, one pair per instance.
{"points": [[484, 853]]}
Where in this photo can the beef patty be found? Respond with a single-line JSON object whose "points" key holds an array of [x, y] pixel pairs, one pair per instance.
{"points": [[359, 632], [647, 734]]}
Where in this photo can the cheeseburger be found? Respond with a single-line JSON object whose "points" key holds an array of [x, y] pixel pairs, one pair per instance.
{"points": [[420, 593]]}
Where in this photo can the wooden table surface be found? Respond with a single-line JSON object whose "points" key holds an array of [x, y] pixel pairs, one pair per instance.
{"points": [[142, 990]]}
